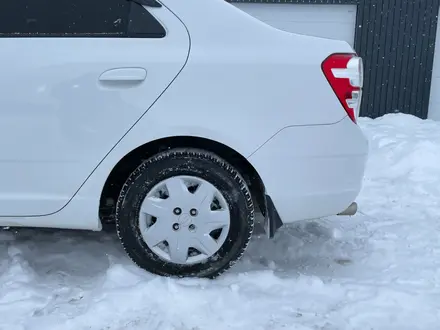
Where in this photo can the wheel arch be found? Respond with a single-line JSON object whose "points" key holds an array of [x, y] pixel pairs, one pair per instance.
{"points": [[134, 158]]}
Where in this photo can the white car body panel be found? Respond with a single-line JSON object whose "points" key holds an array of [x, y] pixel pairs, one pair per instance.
{"points": [[318, 169], [247, 85], [60, 117]]}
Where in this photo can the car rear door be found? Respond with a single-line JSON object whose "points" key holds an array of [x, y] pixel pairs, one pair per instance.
{"points": [[75, 76]]}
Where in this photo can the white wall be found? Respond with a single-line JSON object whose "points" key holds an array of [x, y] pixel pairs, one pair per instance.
{"points": [[328, 21]]}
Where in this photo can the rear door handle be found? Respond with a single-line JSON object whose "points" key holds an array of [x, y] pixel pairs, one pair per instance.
{"points": [[124, 75]]}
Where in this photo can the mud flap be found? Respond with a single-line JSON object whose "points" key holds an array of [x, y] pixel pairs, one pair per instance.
{"points": [[272, 220]]}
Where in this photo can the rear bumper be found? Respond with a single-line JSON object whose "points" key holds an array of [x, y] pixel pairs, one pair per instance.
{"points": [[312, 171]]}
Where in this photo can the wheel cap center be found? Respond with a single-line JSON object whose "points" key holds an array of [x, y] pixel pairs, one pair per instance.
{"points": [[185, 220]]}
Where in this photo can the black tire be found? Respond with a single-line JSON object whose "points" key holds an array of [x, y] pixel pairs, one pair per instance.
{"points": [[193, 162]]}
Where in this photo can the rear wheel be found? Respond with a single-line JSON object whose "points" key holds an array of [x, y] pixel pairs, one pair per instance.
{"points": [[185, 212]]}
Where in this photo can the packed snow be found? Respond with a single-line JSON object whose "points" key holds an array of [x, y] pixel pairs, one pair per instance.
{"points": [[377, 270]]}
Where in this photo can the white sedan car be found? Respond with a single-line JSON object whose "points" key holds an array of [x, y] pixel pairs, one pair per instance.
{"points": [[175, 120]]}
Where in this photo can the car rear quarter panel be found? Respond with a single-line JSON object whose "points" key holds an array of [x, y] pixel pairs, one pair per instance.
{"points": [[244, 80]]}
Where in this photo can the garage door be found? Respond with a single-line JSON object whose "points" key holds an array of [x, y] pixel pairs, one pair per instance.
{"points": [[328, 21], [434, 102]]}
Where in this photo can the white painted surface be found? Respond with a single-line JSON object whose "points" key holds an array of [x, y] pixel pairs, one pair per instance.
{"points": [[326, 21], [319, 167], [63, 111], [239, 89], [434, 101]]}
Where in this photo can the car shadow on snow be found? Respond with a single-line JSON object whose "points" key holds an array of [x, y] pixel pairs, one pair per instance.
{"points": [[326, 247]]}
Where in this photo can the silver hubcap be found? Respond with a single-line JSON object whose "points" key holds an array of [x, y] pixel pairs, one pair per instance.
{"points": [[184, 219]]}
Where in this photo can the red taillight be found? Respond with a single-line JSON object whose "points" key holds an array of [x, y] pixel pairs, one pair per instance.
{"points": [[344, 72]]}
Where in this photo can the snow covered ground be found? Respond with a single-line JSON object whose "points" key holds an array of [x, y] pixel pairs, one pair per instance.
{"points": [[377, 270]]}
